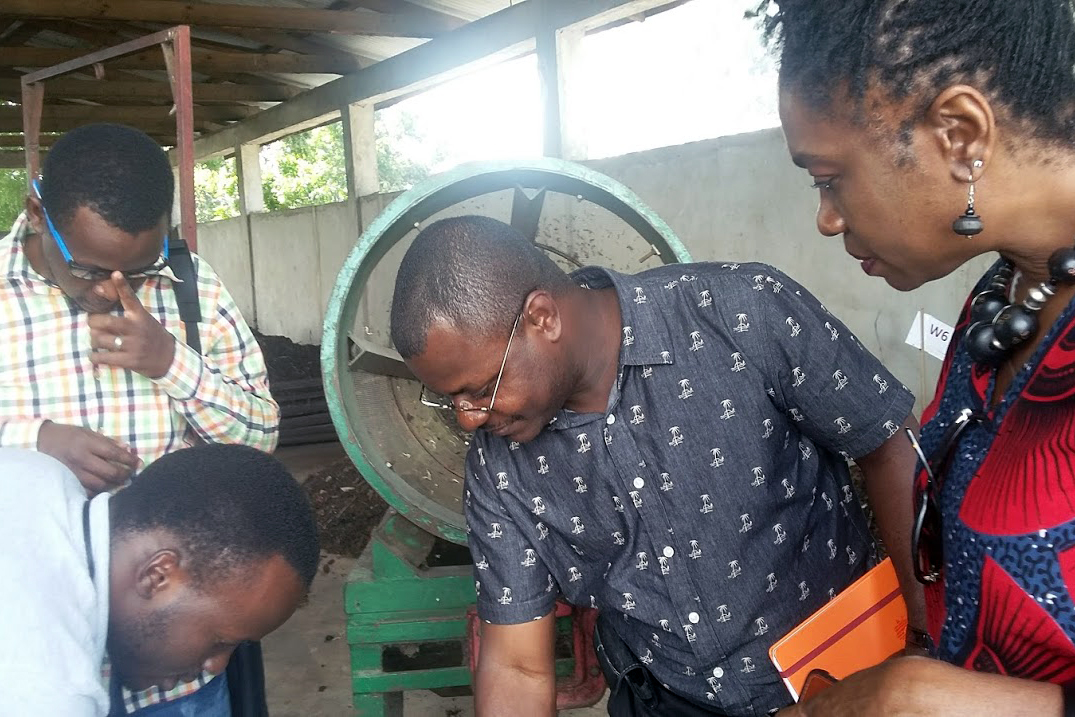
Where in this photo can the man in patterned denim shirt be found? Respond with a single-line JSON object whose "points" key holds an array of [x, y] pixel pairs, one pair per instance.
{"points": [[668, 447]]}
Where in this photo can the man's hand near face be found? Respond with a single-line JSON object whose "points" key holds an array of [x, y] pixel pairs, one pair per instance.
{"points": [[98, 462], [135, 341]]}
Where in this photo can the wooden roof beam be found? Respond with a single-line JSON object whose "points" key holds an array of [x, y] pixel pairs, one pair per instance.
{"points": [[100, 35], [155, 129], [129, 114], [131, 91], [399, 7], [357, 22], [17, 33], [47, 140], [202, 61], [14, 158], [502, 35], [302, 44], [16, 140]]}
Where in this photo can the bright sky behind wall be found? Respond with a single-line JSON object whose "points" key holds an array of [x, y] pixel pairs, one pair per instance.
{"points": [[694, 72]]}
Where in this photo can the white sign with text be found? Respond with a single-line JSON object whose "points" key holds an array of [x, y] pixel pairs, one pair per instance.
{"points": [[937, 335]]}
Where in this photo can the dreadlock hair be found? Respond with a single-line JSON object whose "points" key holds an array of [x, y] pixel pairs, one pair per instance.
{"points": [[116, 171], [1019, 53], [473, 272], [229, 506]]}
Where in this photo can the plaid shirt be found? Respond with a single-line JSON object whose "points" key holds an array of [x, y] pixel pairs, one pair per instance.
{"points": [[46, 374]]}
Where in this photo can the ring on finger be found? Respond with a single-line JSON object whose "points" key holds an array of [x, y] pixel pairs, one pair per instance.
{"points": [[117, 343]]}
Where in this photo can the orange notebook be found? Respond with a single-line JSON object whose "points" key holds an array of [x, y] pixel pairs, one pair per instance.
{"points": [[861, 627]]}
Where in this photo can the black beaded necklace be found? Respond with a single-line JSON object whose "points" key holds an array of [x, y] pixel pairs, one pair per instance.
{"points": [[998, 327]]}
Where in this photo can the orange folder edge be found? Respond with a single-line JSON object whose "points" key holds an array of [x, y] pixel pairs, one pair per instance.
{"points": [[861, 627]]}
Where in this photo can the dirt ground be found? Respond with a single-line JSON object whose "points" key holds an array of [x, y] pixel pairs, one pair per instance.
{"points": [[346, 507]]}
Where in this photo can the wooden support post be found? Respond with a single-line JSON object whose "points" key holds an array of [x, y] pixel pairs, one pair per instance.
{"points": [[248, 172], [177, 200], [360, 150], [33, 96]]}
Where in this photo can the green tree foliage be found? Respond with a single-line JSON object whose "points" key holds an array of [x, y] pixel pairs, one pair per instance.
{"points": [[299, 170], [304, 169], [216, 189], [404, 157], [308, 168], [12, 196]]}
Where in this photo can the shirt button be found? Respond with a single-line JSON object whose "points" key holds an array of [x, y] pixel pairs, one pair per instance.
{"points": [[669, 551], [718, 672], [639, 483], [610, 420], [693, 617]]}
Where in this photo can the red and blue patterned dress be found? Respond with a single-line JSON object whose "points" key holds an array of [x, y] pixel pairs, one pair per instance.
{"points": [[1006, 603]]}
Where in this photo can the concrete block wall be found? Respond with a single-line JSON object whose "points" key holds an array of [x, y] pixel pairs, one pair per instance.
{"points": [[740, 198], [733, 198]]}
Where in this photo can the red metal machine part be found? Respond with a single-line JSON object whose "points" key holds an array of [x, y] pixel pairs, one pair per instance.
{"points": [[585, 685]]}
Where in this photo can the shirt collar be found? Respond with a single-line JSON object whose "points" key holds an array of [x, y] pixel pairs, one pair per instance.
{"points": [[644, 341], [16, 265], [644, 338]]}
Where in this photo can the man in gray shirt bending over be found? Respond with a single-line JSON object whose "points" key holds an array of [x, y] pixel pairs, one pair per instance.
{"points": [[665, 446], [211, 546]]}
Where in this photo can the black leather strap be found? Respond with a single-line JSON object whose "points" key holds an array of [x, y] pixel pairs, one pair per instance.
{"points": [[1069, 699], [186, 289]]}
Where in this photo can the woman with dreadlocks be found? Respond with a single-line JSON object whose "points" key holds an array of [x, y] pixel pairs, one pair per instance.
{"points": [[938, 131]]}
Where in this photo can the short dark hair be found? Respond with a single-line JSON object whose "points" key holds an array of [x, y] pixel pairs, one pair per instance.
{"points": [[116, 171], [1021, 54], [474, 272], [229, 505]]}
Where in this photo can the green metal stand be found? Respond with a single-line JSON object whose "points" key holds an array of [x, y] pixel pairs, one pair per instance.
{"points": [[406, 603], [406, 621]]}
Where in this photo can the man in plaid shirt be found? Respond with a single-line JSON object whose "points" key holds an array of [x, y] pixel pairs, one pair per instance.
{"points": [[94, 368]]}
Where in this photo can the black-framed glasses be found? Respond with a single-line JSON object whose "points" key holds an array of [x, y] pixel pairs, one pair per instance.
{"points": [[435, 400], [96, 273], [927, 554]]}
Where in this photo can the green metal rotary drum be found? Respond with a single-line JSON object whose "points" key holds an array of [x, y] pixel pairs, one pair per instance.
{"points": [[403, 598], [411, 454]]}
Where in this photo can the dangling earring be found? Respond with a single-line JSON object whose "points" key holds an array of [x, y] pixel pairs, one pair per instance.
{"points": [[969, 223]]}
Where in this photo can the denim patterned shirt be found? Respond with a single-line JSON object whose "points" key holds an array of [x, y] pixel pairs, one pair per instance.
{"points": [[710, 505]]}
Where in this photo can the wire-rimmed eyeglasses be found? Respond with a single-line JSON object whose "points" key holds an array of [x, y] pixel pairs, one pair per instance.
{"points": [[96, 273], [434, 400], [926, 544]]}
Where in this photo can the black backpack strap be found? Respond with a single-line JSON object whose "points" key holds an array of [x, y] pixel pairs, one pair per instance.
{"points": [[186, 289]]}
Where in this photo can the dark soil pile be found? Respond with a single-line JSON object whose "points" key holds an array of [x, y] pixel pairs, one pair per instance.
{"points": [[295, 381], [347, 509], [287, 360]]}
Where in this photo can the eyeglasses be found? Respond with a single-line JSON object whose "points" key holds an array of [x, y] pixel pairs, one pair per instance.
{"points": [[96, 273], [926, 545], [433, 400]]}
